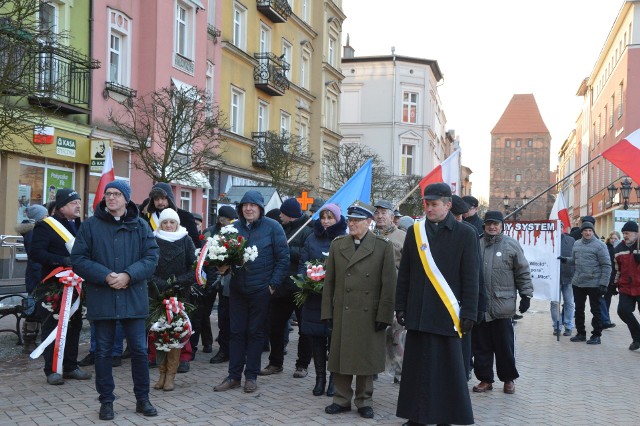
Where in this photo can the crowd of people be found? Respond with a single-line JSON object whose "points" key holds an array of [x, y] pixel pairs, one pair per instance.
{"points": [[429, 301]]}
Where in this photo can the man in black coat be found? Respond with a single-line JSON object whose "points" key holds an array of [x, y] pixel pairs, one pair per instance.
{"points": [[471, 216], [437, 309], [51, 250], [282, 301]]}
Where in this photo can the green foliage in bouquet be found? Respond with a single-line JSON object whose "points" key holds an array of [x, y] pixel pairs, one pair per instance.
{"points": [[310, 283]]}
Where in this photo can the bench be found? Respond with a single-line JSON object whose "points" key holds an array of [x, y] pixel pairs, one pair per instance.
{"points": [[12, 292]]}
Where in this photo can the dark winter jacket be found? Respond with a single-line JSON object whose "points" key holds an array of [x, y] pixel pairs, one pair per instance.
{"points": [[106, 245], [482, 292], [32, 274], [612, 255], [476, 222], [316, 247], [176, 260], [288, 287], [186, 218], [272, 264], [48, 248], [566, 270], [455, 251], [592, 262], [628, 269]]}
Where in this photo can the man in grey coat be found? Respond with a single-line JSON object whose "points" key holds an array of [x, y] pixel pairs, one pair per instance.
{"points": [[591, 278], [505, 270]]}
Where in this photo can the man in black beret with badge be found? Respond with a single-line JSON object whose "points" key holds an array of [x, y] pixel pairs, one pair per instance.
{"points": [[437, 302], [357, 299]]}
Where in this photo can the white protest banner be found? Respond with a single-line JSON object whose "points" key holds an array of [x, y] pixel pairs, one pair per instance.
{"points": [[540, 241]]}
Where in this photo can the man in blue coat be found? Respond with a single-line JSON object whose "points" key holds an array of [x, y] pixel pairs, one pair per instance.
{"points": [[116, 253], [250, 290]]}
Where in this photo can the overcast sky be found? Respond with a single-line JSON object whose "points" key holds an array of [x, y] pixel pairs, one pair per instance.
{"points": [[488, 51]]}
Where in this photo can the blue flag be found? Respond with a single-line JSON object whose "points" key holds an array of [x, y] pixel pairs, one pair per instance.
{"points": [[358, 187]]}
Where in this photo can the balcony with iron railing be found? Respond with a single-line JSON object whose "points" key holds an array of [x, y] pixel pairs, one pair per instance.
{"points": [[270, 75], [276, 10], [259, 150]]}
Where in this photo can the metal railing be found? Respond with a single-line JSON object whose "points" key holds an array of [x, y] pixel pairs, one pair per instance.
{"points": [[13, 242], [270, 73]]}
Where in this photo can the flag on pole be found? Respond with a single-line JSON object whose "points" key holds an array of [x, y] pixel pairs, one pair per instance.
{"points": [[448, 172], [625, 155], [358, 187], [107, 176], [560, 212]]}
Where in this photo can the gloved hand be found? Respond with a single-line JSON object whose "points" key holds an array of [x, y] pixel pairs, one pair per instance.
{"points": [[525, 303], [563, 259], [613, 289], [466, 325], [603, 290], [381, 326], [400, 318]]}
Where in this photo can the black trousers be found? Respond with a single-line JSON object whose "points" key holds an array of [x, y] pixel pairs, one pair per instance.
{"points": [[494, 338], [580, 295], [70, 361], [224, 324], [280, 311]]}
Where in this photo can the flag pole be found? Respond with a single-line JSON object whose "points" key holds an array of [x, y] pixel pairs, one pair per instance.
{"points": [[405, 197], [300, 229]]}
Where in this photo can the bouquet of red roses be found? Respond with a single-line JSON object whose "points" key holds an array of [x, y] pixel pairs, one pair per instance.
{"points": [[310, 283]]}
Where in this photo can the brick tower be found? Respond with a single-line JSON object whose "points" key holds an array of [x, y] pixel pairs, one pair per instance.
{"points": [[520, 150]]}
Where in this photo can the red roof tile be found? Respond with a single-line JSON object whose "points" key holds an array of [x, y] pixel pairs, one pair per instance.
{"points": [[521, 116]]}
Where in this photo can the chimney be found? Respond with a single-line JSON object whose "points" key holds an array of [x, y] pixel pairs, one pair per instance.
{"points": [[349, 52]]}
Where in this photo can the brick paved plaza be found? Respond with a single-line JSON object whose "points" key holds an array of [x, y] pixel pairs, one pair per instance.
{"points": [[561, 383]]}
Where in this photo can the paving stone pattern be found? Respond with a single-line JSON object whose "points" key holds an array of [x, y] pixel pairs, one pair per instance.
{"points": [[561, 383]]}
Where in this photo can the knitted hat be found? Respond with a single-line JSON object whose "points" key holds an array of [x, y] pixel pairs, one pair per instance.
{"points": [[630, 226], [169, 214], [292, 208], [586, 225], [38, 212], [334, 209], [122, 186], [64, 196], [588, 219], [228, 212]]}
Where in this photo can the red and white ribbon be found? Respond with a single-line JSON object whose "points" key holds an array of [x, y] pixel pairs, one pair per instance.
{"points": [[201, 276], [173, 306], [71, 281]]}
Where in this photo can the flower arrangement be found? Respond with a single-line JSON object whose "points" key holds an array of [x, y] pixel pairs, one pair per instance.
{"points": [[49, 293], [170, 334], [226, 248], [310, 283]]}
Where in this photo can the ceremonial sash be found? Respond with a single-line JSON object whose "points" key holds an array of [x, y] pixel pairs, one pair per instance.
{"points": [[152, 221], [435, 276], [64, 233], [201, 276], [71, 281]]}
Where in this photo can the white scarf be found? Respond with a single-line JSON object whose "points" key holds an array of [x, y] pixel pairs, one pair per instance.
{"points": [[170, 236]]}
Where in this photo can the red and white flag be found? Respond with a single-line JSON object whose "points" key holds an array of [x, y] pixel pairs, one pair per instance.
{"points": [[448, 172], [560, 212], [107, 176], [625, 155]]}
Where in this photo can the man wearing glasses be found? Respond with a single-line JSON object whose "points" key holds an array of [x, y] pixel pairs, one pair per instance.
{"points": [[357, 300], [116, 253]]}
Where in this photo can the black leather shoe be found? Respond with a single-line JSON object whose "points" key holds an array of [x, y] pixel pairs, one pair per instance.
{"points": [[106, 411], [335, 409], [183, 367], [219, 358], [366, 412], [116, 361], [207, 349], [87, 360], [146, 408]]}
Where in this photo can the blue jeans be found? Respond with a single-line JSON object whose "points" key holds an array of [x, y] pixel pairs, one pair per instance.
{"points": [[118, 344], [568, 309], [606, 320], [248, 314], [136, 334]]}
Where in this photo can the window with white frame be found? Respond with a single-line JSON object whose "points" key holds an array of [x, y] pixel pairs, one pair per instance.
{"points": [[263, 116], [119, 57], [209, 89], [409, 107], [287, 56], [236, 114], [331, 111], [304, 134], [184, 29], [620, 88], [265, 38], [306, 10], [613, 110], [331, 54], [305, 69], [239, 26], [285, 128], [211, 12], [407, 159], [185, 199]]}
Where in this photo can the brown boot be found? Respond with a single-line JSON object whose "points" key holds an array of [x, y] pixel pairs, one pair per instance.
{"points": [[162, 367], [173, 360]]}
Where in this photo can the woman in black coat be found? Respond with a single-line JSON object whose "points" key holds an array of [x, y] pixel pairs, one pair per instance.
{"points": [[316, 247]]}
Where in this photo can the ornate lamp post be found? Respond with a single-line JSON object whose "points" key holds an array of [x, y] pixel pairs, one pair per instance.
{"points": [[507, 209], [625, 192]]}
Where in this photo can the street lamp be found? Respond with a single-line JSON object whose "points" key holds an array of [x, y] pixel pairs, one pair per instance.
{"points": [[625, 192], [506, 200]]}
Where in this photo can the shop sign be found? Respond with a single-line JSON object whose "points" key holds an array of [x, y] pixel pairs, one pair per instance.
{"points": [[65, 146], [57, 179], [98, 153]]}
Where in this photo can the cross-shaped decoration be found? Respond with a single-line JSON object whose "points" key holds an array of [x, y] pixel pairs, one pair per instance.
{"points": [[304, 200]]}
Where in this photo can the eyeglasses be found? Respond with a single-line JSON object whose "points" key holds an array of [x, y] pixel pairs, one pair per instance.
{"points": [[355, 219], [112, 194]]}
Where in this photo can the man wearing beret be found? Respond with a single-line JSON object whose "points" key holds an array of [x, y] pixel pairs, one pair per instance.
{"points": [[50, 246], [590, 279], [386, 227], [116, 253], [471, 215], [357, 302], [628, 280], [505, 272], [437, 302]]}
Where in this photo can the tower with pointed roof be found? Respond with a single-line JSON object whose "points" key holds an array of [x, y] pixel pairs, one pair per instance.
{"points": [[520, 150]]}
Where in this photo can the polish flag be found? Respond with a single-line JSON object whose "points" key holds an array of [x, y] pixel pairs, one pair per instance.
{"points": [[560, 212], [625, 155], [448, 172], [107, 176]]}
